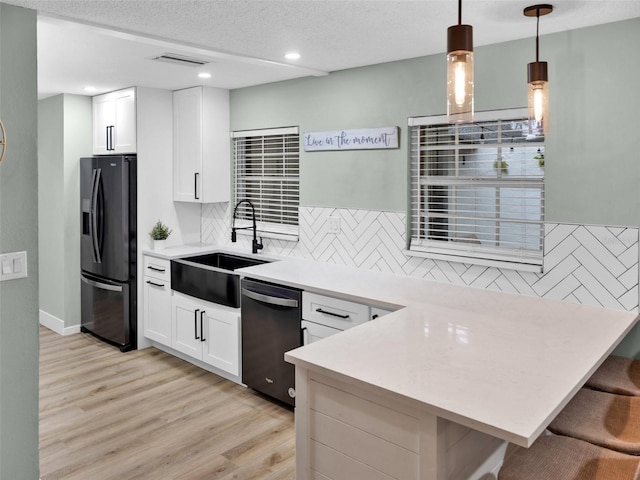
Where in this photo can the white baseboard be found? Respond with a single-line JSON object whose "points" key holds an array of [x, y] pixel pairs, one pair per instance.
{"points": [[57, 325]]}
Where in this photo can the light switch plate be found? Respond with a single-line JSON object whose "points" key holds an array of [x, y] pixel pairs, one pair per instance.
{"points": [[14, 265], [333, 224]]}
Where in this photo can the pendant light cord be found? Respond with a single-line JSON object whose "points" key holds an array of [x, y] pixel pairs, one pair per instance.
{"points": [[537, 31], [459, 12]]}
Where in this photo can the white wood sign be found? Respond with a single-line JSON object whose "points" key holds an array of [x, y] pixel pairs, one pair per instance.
{"points": [[360, 139]]}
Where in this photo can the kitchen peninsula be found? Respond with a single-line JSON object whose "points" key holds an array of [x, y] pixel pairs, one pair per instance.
{"points": [[435, 390]]}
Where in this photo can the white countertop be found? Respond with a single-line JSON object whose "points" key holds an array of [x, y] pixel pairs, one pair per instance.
{"points": [[501, 363], [179, 251]]}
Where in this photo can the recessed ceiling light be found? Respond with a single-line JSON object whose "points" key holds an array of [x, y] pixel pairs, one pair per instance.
{"points": [[204, 75], [292, 56], [89, 89]]}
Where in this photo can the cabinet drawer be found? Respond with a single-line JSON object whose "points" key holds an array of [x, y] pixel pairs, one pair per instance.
{"points": [[157, 268], [333, 312]]}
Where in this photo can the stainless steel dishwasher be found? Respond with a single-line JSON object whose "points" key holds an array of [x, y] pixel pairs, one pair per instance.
{"points": [[271, 317]]}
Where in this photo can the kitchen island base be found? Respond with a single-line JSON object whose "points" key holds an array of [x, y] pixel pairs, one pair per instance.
{"points": [[353, 430]]}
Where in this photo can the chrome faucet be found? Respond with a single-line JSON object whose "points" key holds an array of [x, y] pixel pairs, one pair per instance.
{"points": [[255, 246]]}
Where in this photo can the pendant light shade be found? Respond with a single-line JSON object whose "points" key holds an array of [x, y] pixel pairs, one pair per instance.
{"points": [[460, 71], [538, 80]]}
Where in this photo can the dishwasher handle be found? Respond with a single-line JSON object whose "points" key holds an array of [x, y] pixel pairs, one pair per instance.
{"points": [[259, 297]]}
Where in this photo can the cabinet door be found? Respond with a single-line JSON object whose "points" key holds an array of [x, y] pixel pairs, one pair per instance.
{"points": [[103, 117], [186, 319], [222, 339], [312, 332], [157, 310], [114, 122], [187, 145], [124, 132], [378, 312]]}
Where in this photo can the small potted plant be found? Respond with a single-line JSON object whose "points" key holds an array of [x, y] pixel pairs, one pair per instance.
{"points": [[501, 164], [159, 234]]}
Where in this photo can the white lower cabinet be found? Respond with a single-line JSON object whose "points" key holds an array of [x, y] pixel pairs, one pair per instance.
{"points": [[312, 332], [325, 316], [378, 312], [157, 310], [157, 299], [206, 332]]}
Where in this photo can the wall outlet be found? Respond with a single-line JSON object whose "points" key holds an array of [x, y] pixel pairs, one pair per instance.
{"points": [[333, 224], [13, 265]]}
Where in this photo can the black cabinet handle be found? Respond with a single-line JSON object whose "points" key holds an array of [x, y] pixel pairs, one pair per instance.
{"points": [[107, 139], [155, 284], [156, 269], [195, 323], [195, 185], [302, 339], [319, 310], [110, 138], [202, 339]]}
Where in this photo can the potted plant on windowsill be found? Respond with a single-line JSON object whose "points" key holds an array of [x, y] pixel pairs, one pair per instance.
{"points": [[159, 234]]}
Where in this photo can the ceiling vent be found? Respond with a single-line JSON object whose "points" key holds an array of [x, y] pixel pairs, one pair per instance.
{"points": [[178, 59]]}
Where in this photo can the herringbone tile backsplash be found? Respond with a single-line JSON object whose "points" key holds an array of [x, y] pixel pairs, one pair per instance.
{"points": [[593, 265]]}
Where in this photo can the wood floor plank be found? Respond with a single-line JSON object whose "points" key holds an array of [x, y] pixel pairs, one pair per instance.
{"points": [[148, 415]]}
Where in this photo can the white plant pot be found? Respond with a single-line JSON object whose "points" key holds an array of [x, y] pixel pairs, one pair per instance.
{"points": [[159, 244]]}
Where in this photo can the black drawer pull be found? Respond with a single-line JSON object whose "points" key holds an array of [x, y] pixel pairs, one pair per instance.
{"points": [[156, 269], [155, 284], [195, 323], [202, 339], [319, 310]]}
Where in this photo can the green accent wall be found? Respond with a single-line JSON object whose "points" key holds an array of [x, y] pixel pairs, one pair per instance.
{"points": [[18, 232], [592, 170], [64, 136]]}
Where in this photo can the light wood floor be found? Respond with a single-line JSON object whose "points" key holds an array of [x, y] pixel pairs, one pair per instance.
{"points": [[148, 415]]}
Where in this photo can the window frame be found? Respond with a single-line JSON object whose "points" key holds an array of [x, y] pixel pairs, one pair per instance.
{"points": [[420, 217], [266, 181]]}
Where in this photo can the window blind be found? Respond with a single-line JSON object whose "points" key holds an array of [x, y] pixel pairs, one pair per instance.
{"points": [[477, 190], [266, 172]]}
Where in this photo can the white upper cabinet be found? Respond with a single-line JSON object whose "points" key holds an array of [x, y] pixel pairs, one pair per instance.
{"points": [[114, 122], [201, 145]]}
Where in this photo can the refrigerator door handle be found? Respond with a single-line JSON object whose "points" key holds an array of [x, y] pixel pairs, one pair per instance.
{"points": [[93, 223], [103, 286]]}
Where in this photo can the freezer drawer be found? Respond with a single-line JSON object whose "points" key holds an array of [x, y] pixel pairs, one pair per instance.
{"points": [[106, 311]]}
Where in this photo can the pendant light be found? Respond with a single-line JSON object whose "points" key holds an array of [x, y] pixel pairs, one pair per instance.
{"points": [[538, 80], [460, 71]]}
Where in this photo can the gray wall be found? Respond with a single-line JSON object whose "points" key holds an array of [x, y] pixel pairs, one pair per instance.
{"points": [[64, 129], [19, 231], [50, 204], [591, 170]]}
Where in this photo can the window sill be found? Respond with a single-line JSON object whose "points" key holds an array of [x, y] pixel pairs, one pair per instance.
{"points": [[523, 267]]}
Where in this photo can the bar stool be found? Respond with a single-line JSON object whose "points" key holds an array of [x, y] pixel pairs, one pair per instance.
{"points": [[617, 375], [604, 419], [564, 458]]}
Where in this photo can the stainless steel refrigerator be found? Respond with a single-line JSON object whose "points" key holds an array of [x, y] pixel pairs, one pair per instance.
{"points": [[108, 248]]}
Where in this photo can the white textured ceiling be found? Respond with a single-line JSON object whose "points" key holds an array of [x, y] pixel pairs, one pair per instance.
{"points": [[247, 39]]}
